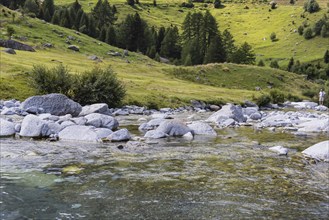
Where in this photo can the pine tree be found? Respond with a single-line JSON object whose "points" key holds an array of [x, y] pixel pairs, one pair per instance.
{"points": [[215, 52], [111, 36], [244, 55], [47, 17], [290, 64], [76, 6], [56, 17], [187, 28], [326, 57], [31, 6], [160, 36], [170, 46], [102, 34], [49, 4], [103, 13], [324, 31], [131, 2], [228, 44], [261, 63], [274, 64]]}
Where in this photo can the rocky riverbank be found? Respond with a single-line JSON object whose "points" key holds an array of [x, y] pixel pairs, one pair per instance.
{"points": [[57, 118]]}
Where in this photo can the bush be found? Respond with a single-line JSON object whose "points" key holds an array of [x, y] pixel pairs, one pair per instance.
{"points": [[98, 85], [308, 33], [95, 86], [310, 93], [263, 100], [55, 80], [277, 96], [274, 64], [300, 30], [273, 37], [217, 4], [261, 63], [187, 5], [311, 6]]}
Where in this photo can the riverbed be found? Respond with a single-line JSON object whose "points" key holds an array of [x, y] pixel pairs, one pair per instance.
{"points": [[231, 176]]}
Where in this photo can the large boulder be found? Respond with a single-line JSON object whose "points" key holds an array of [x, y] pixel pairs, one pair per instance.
{"points": [[228, 111], [151, 125], [7, 128], [173, 128], [80, 133], [202, 128], [74, 48], [102, 121], [33, 126], [319, 151], [15, 45], [101, 108], [315, 125], [120, 135], [55, 104], [155, 134]]}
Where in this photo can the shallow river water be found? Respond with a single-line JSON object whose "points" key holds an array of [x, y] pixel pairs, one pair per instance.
{"points": [[233, 176]]}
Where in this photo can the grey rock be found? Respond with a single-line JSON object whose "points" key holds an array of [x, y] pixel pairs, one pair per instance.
{"points": [[18, 127], [202, 128], [79, 133], [67, 124], [74, 48], [155, 134], [125, 53], [120, 135], [103, 132], [32, 110], [228, 122], [101, 108], [249, 110], [280, 150], [9, 104], [321, 108], [250, 104], [7, 128], [319, 151], [15, 45], [53, 128], [79, 120], [214, 107], [9, 51], [314, 125], [33, 126], [8, 111], [48, 45], [151, 125], [188, 136], [173, 128], [121, 112], [55, 104], [256, 116], [102, 121], [228, 111]]}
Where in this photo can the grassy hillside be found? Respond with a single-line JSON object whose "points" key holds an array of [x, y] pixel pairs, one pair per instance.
{"points": [[147, 81], [253, 25]]}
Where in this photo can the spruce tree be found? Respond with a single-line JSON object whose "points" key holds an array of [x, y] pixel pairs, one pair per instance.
{"points": [[244, 55], [215, 52], [274, 64], [160, 36], [170, 46], [228, 44], [56, 17], [111, 36], [31, 6], [261, 63], [49, 4], [326, 57], [290, 64], [102, 34], [324, 31]]}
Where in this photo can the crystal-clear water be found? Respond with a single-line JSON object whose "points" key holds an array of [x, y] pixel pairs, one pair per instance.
{"points": [[233, 176]]}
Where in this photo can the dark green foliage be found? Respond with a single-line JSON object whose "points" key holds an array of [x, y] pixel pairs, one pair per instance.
{"points": [[318, 25], [263, 100], [56, 18], [98, 86], [170, 46], [12, 4], [261, 63], [310, 93], [292, 2], [326, 57], [290, 64], [217, 4], [10, 31], [103, 13], [49, 5], [111, 36], [229, 46], [273, 37], [154, 3], [55, 80], [324, 31], [215, 52], [308, 33], [131, 2], [311, 6], [31, 6], [277, 96], [187, 4], [274, 64], [300, 30], [102, 34], [244, 55]]}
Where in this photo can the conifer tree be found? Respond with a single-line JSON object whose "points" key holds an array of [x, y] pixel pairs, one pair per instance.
{"points": [[111, 36], [170, 46], [215, 52], [228, 44], [102, 34], [326, 57], [244, 55], [31, 6], [56, 18], [290, 64], [48, 4], [160, 36]]}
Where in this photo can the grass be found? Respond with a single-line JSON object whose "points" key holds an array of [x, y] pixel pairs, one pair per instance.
{"points": [[147, 82]]}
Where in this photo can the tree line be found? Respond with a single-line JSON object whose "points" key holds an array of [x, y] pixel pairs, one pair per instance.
{"points": [[201, 41]]}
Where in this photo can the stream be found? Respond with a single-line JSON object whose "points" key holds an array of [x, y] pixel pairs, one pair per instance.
{"points": [[231, 176]]}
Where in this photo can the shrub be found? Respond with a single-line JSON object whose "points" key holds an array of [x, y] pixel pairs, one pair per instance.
{"points": [[98, 85], [274, 64], [261, 63], [55, 80], [273, 37], [217, 4], [10, 31], [263, 100], [310, 93], [187, 5], [311, 6], [308, 34], [300, 30], [277, 96]]}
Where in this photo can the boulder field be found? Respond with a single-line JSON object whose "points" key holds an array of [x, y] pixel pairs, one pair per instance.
{"points": [[56, 117]]}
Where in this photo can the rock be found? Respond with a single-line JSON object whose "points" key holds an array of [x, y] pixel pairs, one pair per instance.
{"points": [[101, 108], [319, 151], [53, 128], [201, 128], [103, 132], [188, 136], [33, 110], [114, 53], [121, 112], [7, 128], [256, 116], [55, 104], [125, 53], [151, 125], [173, 128], [228, 111], [33, 126], [321, 108], [48, 45], [67, 124], [164, 60], [249, 110], [8, 111], [228, 122], [102, 121], [198, 104], [95, 58], [74, 48], [120, 135], [79, 121], [15, 45], [155, 134], [79, 133], [314, 125], [9, 51], [279, 149], [214, 107], [18, 128]]}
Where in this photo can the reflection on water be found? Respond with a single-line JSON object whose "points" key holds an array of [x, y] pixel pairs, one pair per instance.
{"points": [[233, 176]]}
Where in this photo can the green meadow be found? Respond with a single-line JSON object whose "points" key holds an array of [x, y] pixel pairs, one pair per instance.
{"points": [[151, 83]]}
